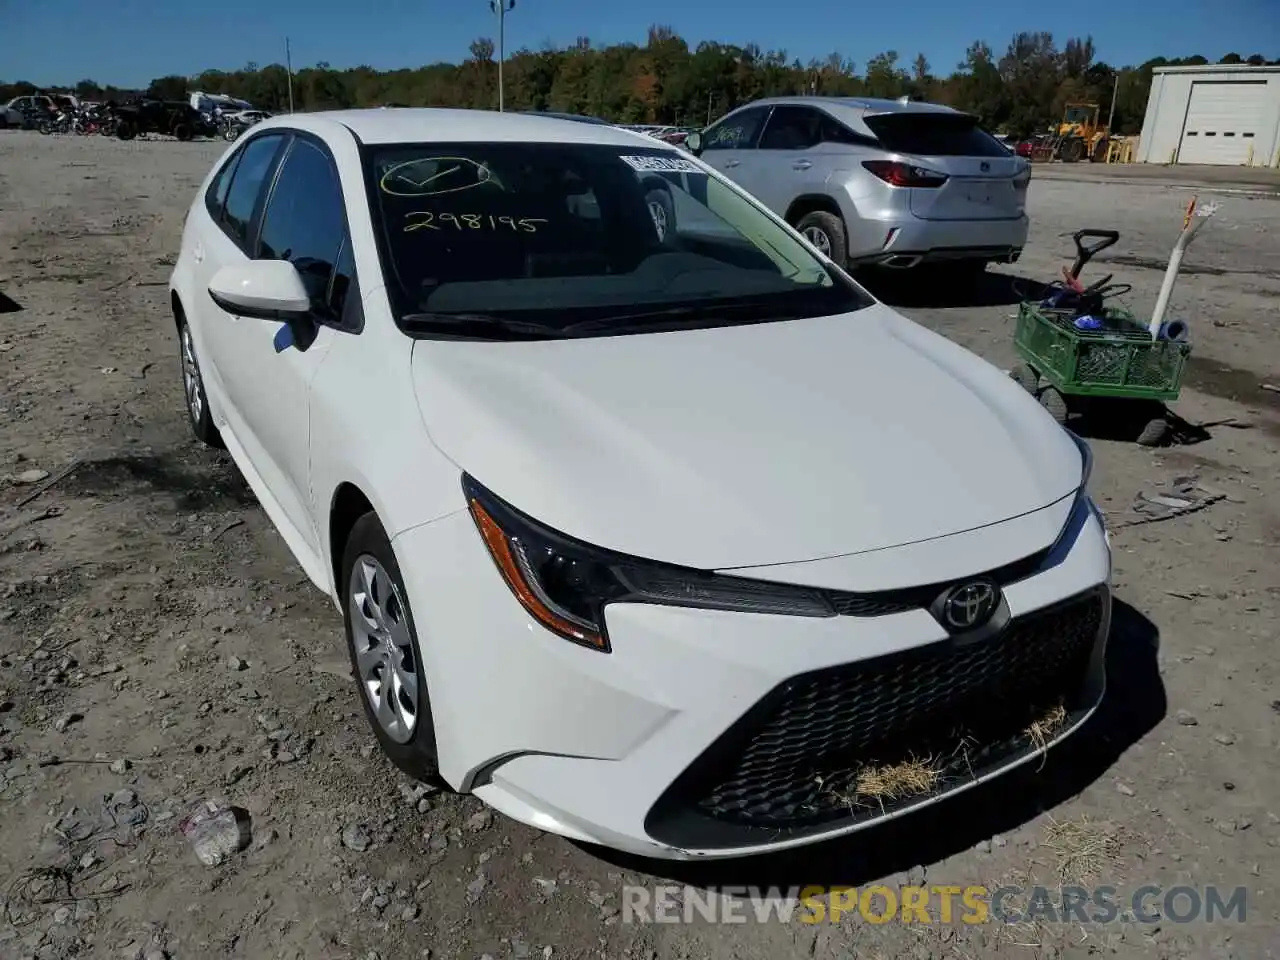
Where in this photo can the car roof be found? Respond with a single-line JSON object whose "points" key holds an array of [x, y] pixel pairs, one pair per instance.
{"points": [[444, 125], [864, 105]]}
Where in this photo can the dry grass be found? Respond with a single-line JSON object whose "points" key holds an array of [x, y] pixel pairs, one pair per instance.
{"points": [[897, 780], [888, 782], [1084, 849], [1043, 730]]}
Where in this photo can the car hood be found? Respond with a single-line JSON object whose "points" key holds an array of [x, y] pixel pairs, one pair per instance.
{"points": [[747, 445]]}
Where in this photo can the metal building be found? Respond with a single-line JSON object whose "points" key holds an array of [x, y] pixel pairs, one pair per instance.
{"points": [[1224, 114]]}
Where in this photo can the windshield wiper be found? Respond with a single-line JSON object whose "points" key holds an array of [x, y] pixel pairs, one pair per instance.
{"points": [[522, 327]]}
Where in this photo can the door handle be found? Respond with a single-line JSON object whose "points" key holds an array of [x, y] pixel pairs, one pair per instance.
{"points": [[731, 163], [197, 253], [802, 165]]}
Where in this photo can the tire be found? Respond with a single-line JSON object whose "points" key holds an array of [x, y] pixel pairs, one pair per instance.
{"points": [[1051, 399], [826, 232], [230, 133], [1154, 432], [182, 131], [369, 569], [195, 398], [45, 127], [126, 130], [1073, 151], [1099, 154], [1026, 377], [663, 211]]}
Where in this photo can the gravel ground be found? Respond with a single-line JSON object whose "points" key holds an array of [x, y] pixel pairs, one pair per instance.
{"points": [[158, 646]]}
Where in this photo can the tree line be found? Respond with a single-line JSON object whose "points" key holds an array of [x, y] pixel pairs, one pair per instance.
{"points": [[665, 81]]}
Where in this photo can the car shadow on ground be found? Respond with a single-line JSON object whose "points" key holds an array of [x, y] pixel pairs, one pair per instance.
{"points": [[8, 305], [938, 287], [1134, 704]]}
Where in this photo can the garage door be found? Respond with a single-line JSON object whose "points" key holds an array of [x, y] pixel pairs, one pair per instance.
{"points": [[1224, 119]]}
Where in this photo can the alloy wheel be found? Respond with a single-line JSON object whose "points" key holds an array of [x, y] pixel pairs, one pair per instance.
{"points": [[384, 651], [191, 376], [818, 237], [659, 214]]}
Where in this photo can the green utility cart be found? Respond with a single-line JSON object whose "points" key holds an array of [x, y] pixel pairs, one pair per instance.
{"points": [[1078, 351]]}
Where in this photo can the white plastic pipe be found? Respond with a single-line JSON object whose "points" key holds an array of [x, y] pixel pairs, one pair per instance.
{"points": [[1195, 219]]}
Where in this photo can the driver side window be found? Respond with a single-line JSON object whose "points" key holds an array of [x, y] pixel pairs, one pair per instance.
{"points": [[305, 224], [737, 131]]}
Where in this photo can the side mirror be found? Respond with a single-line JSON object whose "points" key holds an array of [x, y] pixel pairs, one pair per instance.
{"points": [[693, 143], [262, 289]]}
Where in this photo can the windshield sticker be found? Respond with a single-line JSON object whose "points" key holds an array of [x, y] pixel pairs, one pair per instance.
{"points": [[433, 176], [652, 164], [426, 220]]}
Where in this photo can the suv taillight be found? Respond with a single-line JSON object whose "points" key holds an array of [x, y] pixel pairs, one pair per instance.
{"points": [[899, 174]]}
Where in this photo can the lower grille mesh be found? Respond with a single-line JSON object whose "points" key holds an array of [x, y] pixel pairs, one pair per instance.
{"points": [[795, 761]]}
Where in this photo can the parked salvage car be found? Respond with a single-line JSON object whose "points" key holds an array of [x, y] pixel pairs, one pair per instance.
{"points": [[656, 539], [175, 118], [895, 183]]}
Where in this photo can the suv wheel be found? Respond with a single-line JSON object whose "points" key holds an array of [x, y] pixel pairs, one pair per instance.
{"points": [[385, 656], [826, 232]]}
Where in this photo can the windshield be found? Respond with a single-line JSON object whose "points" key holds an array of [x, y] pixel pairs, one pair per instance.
{"points": [[559, 238]]}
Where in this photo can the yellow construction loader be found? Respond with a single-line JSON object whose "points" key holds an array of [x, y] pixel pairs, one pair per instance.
{"points": [[1078, 137]]}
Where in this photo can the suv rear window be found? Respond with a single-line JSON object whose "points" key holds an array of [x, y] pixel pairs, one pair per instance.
{"points": [[934, 134]]}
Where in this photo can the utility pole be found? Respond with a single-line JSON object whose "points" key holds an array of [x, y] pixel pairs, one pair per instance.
{"points": [[1115, 90], [288, 66], [501, 8]]}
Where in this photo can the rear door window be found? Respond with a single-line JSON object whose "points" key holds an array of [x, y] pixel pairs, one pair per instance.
{"points": [[791, 128], [934, 134]]}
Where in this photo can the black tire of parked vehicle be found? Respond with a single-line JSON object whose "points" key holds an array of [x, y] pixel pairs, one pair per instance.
{"points": [[1025, 377], [125, 130], [1153, 432], [417, 756], [202, 426], [230, 132], [182, 131], [833, 228], [663, 211], [1053, 400], [45, 127], [1073, 151]]}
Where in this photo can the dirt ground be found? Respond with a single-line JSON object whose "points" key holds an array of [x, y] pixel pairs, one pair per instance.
{"points": [[159, 646]]}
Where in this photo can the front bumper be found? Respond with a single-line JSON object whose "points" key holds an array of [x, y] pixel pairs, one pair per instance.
{"points": [[706, 733]]}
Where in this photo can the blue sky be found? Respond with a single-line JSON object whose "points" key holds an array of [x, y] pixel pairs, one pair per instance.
{"points": [[128, 42]]}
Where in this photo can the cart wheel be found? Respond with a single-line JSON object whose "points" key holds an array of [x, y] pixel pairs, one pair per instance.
{"points": [[1051, 399], [1026, 377], [1154, 432]]}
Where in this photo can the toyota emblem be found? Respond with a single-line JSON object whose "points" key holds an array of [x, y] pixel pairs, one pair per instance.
{"points": [[969, 605], [985, 166]]}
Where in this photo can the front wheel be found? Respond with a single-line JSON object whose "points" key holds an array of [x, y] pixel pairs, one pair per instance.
{"points": [[826, 232], [197, 400], [385, 656]]}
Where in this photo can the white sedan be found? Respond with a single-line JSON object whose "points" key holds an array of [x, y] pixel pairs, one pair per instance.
{"points": [[649, 526]]}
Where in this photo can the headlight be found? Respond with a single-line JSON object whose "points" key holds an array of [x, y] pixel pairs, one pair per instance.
{"points": [[565, 584]]}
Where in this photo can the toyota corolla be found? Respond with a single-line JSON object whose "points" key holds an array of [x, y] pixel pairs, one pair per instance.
{"points": [[649, 526]]}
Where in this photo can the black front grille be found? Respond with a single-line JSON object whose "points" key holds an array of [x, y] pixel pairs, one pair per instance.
{"points": [[793, 762], [884, 602]]}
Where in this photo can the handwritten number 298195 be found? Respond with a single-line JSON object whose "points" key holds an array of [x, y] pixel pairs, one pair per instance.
{"points": [[422, 220]]}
